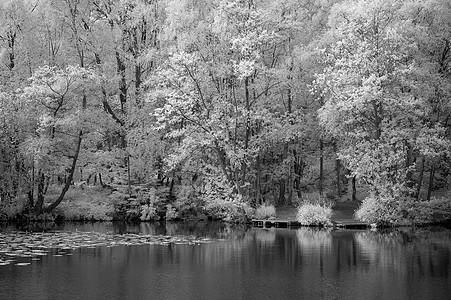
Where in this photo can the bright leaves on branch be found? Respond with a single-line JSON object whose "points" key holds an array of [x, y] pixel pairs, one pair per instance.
{"points": [[57, 98], [375, 100], [213, 96]]}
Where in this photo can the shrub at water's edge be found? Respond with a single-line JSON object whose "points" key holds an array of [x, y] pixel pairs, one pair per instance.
{"points": [[315, 198], [230, 211], [265, 212], [379, 210], [85, 211], [96, 203], [9, 210], [171, 213], [87, 204], [404, 211], [314, 215]]}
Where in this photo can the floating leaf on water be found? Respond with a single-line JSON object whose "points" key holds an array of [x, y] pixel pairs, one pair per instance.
{"points": [[19, 244]]}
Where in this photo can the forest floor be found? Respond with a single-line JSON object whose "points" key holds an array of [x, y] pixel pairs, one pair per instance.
{"points": [[340, 211]]}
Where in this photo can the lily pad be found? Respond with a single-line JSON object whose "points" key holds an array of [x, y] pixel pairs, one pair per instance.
{"points": [[33, 245]]}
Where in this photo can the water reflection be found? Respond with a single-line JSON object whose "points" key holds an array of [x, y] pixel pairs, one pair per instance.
{"points": [[243, 263], [408, 251]]}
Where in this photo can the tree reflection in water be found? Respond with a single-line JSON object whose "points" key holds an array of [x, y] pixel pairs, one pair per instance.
{"points": [[239, 262]]}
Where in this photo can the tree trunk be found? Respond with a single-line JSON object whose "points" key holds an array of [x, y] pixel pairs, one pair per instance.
{"points": [[138, 68], [101, 181], [281, 200], [11, 37], [431, 182], [284, 182], [30, 199], [138, 80], [321, 166], [122, 81], [297, 172], [377, 111], [409, 181], [247, 134], [354, 189], [171, 187], [31, 192], [257, 181], [287, 144], [338, 171], [290, 185], [40, 201], [47, 184], [105, 104], [70, 178], [128, 176], [222, 162], [420, 179]]}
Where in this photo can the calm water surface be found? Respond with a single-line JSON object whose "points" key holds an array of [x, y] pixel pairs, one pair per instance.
{"points": [[241, 263]]}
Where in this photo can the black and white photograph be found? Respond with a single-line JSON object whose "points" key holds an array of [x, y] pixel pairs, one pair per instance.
{"points": [[225, 149]]}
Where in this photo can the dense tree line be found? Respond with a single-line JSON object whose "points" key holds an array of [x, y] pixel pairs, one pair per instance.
{"points": [[226, 101]]}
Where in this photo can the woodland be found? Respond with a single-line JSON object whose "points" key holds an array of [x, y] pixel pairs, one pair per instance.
{"points": [[224, 108]]}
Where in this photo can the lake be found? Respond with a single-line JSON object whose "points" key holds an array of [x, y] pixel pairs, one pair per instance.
{"points": [[210, 260]]}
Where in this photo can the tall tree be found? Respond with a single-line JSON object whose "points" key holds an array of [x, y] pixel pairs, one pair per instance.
{"points": [[373, 105], [56, 98]]}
